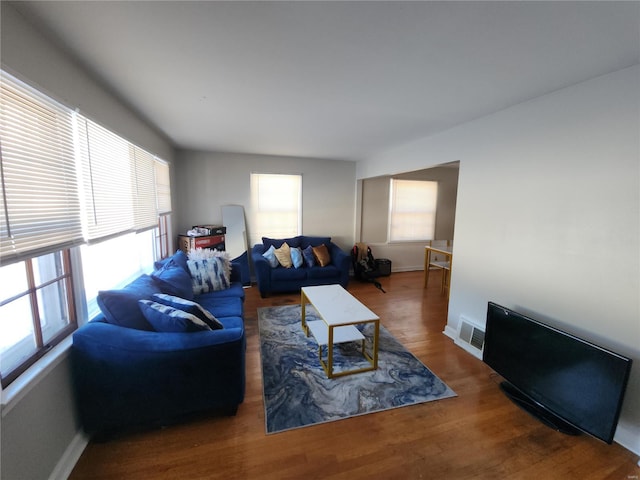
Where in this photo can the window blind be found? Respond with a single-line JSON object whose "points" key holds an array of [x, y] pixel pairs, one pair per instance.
{"points": [[412, 210], [277, 205], [39, 202], [107, 181], [125, 188], [144, 189], [163, 186]]}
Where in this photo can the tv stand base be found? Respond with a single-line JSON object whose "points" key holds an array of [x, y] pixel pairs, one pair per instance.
{"points": [[537, 411]]}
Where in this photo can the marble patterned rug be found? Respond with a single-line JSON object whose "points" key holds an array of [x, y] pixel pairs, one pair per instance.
{"points": [[297, 392]]}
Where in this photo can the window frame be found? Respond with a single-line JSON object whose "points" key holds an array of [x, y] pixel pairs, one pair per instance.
{"points": [[147, 173], [42, 348]]}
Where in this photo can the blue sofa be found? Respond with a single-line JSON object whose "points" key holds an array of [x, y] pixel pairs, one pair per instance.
{"points": [[280, 279], [127, 375]]}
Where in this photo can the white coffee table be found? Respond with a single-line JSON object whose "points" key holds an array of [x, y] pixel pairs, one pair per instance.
{"points": [[340, 312]]}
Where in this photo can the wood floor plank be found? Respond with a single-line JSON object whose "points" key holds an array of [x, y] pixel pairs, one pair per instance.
{"points": [[479, 434]]}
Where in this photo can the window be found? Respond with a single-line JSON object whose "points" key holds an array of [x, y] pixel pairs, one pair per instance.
{"points": [[115, 262], [163, 245], [412, 210], [277, 205], [36, 310], [118, 183], [66, 180]]}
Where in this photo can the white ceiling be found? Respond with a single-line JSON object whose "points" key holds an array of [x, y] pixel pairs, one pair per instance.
{"points": [[340, 80]]}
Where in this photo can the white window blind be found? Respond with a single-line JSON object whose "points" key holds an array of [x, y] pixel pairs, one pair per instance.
{"points": [[144, 189], [277, 205], [125, 188], [107, 186], [39, 203], [163, 186], [412, 210]]}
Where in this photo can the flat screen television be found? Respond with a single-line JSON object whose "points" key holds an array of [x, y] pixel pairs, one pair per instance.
{"points": [[568, 383]]}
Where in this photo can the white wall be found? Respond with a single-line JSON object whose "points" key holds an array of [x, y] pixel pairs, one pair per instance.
{"points": [[40, 435], [548, 215], [373, 203], [204, 181]]}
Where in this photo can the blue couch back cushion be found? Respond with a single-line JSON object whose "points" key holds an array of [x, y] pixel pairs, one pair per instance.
{"points": [[277, 242], [190, 307], [179, 258], [168, 319], [120, 307], [301, 241], [174, 280]]}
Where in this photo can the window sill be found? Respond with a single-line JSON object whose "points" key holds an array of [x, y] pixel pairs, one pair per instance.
{"points": [[22, 385]]}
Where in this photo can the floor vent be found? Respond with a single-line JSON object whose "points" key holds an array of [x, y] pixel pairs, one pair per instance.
{"points": [[470, 337]]}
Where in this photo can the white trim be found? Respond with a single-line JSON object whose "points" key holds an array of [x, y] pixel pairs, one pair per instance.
{"points": [[22, 385], [70, 457], [450, 332]]}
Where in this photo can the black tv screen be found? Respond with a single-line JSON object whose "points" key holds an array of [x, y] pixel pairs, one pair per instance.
{"points": [[568, 383]]}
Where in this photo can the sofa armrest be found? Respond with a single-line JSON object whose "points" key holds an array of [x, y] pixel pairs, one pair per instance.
{"points": [[236, 272], [262, 269], [125, 377], [342, 262]]}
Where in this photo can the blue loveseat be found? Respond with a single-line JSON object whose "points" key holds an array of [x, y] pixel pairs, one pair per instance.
{"points": [[127, 375], [276, 278]]}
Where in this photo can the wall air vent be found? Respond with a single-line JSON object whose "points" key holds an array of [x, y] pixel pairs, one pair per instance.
{"points": [[470, 337]]}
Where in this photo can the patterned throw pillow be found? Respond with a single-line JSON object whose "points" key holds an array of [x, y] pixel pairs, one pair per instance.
{"points": [[208, 254], [208, 275], [270, 255], [167, 319], [190, 307], [309, 258], [283, 254]]}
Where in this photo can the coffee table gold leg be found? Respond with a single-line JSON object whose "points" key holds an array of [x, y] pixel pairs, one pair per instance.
{"points": [[330, 354], [376, 335], [303, 301]]}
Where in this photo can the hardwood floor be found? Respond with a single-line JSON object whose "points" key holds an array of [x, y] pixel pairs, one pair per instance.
{"points": [[479, 434]]}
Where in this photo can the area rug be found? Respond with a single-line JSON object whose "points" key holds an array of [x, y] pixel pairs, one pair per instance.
{"points": [[297, 392]]}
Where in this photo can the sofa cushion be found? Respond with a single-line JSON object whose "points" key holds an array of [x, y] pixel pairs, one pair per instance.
{"points": [[322, 272], [174, 280], [208, 275], [120, 307], [288, 274], [283, 254], [224, 307], [309, 258], [168, 319], [277, 242], [296, 257], [190, 307], [234, 290], [321, 254], [233, 322]]}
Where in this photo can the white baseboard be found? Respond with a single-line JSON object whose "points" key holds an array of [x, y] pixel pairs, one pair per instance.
{"points": [[407, 269], [452, 333], [70, 457]]}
